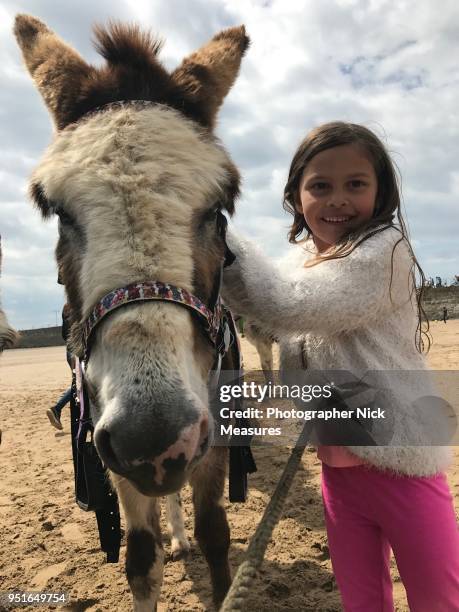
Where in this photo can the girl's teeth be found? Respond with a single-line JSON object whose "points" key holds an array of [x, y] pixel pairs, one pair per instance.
{"points": [[336, 219]]}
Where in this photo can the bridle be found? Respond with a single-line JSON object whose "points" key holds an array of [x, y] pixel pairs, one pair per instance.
{"points": [[152, 291]]}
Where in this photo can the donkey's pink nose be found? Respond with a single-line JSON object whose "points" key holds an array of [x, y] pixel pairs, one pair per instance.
{"points": [[191, 443]]}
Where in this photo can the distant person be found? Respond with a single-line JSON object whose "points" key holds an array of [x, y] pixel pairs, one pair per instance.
{"points": [[445, 314], [54, 413]]}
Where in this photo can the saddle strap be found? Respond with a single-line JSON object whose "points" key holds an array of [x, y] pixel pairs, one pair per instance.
{"points": [[241, 460], [92, 488]]}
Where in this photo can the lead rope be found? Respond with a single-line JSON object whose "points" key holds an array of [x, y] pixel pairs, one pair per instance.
{"points": [[247, 570]]}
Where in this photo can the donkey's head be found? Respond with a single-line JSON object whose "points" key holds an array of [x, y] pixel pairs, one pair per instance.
{"points": [[138, 188]]}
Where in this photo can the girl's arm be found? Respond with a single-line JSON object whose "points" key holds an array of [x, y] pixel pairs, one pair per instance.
{"points": [[331, 297]]}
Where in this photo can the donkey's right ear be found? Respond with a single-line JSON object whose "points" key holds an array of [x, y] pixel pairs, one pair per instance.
{"points": [[58, 70], [208, 74]]}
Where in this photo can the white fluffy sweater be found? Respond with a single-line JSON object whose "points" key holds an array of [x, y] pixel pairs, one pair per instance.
{"points": [[346, 314]]}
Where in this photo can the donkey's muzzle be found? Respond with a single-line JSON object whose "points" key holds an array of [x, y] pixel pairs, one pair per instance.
{"points": [[144, 478], [153, 467]]}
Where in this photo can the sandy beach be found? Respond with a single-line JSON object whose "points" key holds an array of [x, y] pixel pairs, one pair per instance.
{"points": [[49, 543]]}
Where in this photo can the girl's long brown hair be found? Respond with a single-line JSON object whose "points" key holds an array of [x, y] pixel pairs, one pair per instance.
{"points": [[387, 211]]}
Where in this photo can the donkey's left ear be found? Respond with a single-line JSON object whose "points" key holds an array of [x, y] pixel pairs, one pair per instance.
{"points": [[206, 76], [58, 70]]}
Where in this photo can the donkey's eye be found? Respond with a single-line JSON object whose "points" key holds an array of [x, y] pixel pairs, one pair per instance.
{"points": [[222, 224], [64, 217], [211, 214]]}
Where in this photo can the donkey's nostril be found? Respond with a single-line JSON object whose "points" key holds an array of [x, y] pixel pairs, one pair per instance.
{"points": [[105, 450]]}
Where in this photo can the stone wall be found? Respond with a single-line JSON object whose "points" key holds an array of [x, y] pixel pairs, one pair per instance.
{"points": [[437, 297], [44, 336]]}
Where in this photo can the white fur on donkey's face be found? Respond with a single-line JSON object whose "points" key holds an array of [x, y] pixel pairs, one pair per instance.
{"points": [[131, 179]]}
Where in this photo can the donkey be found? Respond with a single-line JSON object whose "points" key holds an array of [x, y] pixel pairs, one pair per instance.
{"points": [[138, 182], [8, 336], [263, 341]]}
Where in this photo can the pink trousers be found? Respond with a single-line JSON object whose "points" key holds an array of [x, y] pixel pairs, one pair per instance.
{"points": [[368, 512]]}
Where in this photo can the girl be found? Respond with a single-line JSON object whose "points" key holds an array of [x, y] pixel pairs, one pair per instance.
{"points": [[345, 299]]}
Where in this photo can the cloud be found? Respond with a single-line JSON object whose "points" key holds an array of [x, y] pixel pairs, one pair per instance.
{"points": [[390, 66]]}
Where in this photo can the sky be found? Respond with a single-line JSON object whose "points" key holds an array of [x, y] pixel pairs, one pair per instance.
{"points": [[391, 66]]}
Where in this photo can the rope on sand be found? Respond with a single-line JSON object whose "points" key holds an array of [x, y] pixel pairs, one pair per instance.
{"points": [[247, 571]]}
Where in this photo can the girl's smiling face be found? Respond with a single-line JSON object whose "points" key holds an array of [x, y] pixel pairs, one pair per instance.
{"points": [[337, 193]]}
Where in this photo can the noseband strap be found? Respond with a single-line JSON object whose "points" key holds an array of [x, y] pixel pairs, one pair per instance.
{"points": [[153, 291]]}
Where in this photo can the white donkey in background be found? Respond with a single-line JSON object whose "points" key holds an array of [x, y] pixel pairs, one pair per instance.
{"points": [[8, 336]]}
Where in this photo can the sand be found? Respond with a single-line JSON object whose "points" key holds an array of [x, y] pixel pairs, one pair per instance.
{"points": [[49, 543]]}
